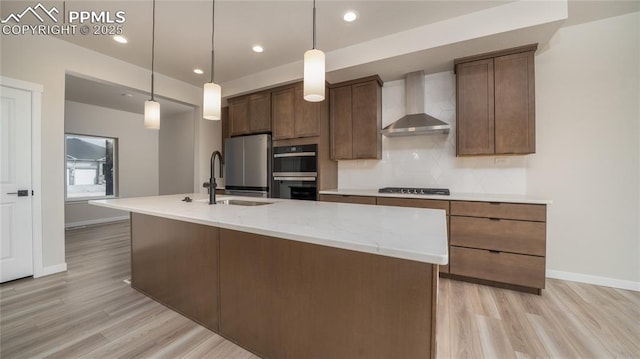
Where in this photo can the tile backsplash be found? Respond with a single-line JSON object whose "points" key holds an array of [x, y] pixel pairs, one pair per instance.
{"points": [[430, 160]]}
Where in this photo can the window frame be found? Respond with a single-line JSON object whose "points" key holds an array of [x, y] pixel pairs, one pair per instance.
{"points": [[115, 170]]}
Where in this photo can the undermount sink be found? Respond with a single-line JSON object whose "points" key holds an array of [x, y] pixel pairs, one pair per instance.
{"points": [[239, 202]]}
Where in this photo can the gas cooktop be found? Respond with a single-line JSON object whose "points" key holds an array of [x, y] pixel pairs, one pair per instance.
{"points": [[411, 190]]}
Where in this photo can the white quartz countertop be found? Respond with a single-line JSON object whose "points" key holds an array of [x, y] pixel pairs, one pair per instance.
{"points": [[408, 233], [454, 196]]}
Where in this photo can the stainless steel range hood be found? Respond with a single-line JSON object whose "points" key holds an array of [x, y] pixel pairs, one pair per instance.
{"points": [[415, 122]]}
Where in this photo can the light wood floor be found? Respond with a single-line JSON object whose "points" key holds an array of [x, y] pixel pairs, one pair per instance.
{"points": [[90, 312]]}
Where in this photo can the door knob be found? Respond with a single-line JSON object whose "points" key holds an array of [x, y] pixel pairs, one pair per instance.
{"points": [[21, 193]]}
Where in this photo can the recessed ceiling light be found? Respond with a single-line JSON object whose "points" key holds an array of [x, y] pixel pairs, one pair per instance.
{"points": [[121, 39], [350, 16], [258, 48], [198, 71]]}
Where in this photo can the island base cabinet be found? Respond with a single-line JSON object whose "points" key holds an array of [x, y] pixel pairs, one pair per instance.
{"points": [[176, 263], [287, 299], [501, 267]]}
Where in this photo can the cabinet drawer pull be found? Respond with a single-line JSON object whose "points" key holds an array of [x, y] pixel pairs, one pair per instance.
{"points": [[495, 203], [494, 251], [494, 219]]}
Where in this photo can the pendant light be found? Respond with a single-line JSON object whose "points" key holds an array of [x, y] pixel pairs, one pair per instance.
{"points": [[314, 69], [151, 107], [212, 101]]}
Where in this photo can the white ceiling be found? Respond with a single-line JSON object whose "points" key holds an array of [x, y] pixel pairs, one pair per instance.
{"points": [[110, 95], [283, 28]]}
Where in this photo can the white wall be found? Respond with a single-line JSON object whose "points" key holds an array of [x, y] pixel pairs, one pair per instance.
{"points": [[587, 103], [176, 154], [430, 161], [210, 141], [44, 60], [137, 156]]}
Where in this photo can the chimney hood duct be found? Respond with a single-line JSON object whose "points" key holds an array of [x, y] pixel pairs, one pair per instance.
{"points": [[415, 122]]}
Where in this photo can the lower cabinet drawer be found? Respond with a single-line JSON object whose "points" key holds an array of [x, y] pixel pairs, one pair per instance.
{"points": [[347, 199], [414, 202], [518, 269], [499, 234], [519, 211]]}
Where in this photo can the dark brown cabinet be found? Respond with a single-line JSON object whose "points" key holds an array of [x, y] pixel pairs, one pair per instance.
{"points": [[344, 198], [356, 119], [176, 263], [238, 116], [515, 103], [341, 123], [474, 105], [495, 103], [287, 299], [283, 113], [307, 115], [499, 242], [250, 114], [224, 127], [293, 117], [281, 298]]}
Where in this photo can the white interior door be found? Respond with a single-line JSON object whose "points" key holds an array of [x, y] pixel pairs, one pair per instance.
{"points": [[16, 229]]}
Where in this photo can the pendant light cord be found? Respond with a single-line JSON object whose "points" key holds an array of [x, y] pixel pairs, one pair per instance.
{"points": [[213, 27], [314, 24], [153, 45]]}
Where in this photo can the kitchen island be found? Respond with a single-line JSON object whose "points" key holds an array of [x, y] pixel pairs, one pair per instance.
{"points": [[293, 279]]}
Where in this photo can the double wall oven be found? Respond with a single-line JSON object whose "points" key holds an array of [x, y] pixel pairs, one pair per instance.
{"points": [[295, 172]]}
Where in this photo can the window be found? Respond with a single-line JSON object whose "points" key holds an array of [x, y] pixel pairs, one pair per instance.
{"points": [[90, 167]]}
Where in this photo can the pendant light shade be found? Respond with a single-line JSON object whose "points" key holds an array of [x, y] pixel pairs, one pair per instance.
{"points": [[314, 75], [151, 115], [212, 100], [151, 107], [314, 69]]}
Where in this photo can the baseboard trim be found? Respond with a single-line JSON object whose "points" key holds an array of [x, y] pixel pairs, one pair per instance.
{"points": [[62, 267], [94, 221], [592, 279]]}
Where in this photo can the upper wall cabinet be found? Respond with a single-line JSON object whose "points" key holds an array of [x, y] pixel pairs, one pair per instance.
{"points": [[250, 114], [496, 103], [356, 119], [224, 127], [293, 117]]}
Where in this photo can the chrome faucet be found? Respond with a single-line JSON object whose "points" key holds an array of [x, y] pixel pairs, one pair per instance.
{"points": [[212, 179]]}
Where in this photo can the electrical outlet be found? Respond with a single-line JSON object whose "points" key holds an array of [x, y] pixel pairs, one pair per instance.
{"points": [[500, 160]]}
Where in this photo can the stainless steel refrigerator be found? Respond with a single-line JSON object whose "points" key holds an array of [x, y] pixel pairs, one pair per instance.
{"points": [[247, 162]]}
